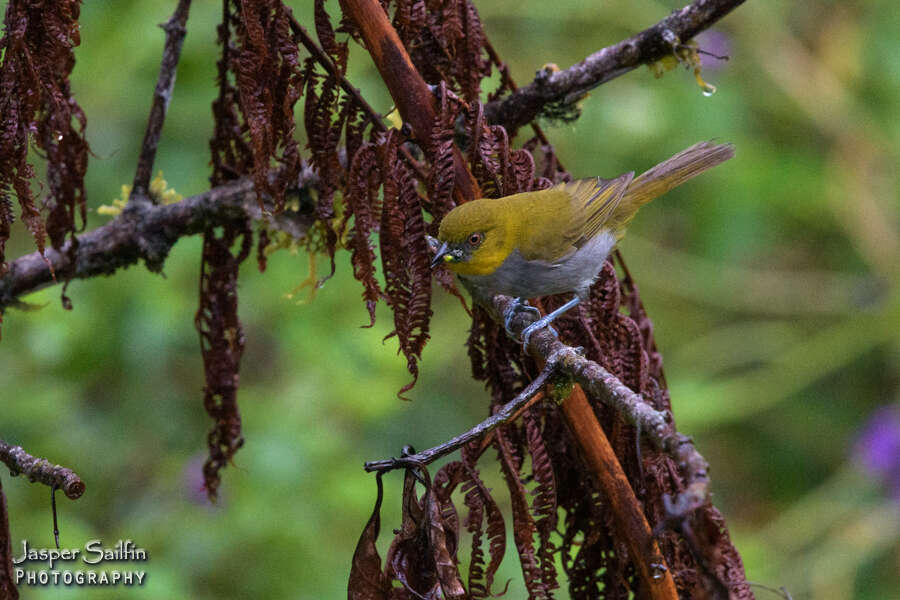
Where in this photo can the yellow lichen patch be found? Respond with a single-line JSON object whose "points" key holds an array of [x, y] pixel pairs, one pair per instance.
{"points": [[115, 209], [281, 240], [315, 245], [666, 63], [549, 68], [310, 282], [683, 54], [158, 191]]}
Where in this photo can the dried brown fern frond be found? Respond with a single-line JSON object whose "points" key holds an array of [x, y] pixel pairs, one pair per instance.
{"points": [[405, 257], [38, 108], [222, 344]]}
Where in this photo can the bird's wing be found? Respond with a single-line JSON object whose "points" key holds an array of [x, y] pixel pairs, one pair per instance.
{"points": [[594, 201], [562, 219]]}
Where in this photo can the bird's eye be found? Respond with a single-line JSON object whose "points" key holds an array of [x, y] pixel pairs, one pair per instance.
{"points": [[474, 239]]}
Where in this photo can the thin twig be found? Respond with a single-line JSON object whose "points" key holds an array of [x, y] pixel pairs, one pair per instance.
{"points": [[145, 231], [524, 105], [175, 32], [41, 470], [53, 489], [489, 438], [507, 413]]}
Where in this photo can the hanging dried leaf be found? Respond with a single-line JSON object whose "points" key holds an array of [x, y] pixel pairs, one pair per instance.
{"points": [[441, 181], [327, 113], [363, 205], [324, 132], [484, 518], [222, 344], [543, 506], [410, 559], [37, 106], [367, 581], [443, 536], [524, 528], [445, 40], [258, 107], [405, 257], [336, 51], [7, 572], [229, 146]]}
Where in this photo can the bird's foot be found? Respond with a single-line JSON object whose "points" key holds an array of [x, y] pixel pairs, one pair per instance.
{"points": [[518, 305], [531, 329], [545, 321]]}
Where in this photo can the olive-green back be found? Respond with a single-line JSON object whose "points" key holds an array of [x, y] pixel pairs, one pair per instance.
{"points": [[562, 218]]}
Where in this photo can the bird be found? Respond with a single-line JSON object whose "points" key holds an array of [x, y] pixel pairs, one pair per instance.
{"points": [[556, 240]]}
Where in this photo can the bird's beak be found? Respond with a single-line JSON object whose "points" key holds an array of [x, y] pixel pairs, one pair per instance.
{"points": [[442, 252]]}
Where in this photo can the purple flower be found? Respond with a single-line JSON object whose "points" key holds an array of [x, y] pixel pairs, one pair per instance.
{"points": [[878, 447]]}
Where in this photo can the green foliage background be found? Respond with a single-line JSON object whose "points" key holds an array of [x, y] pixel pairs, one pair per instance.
{"points": [[772, 282]]}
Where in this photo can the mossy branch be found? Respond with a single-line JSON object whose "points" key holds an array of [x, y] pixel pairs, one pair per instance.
{"points": [[41, 470], [146, 232], [562, 88]]}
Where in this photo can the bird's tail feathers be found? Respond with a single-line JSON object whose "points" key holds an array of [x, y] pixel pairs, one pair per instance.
{"points": [[671, 173]]}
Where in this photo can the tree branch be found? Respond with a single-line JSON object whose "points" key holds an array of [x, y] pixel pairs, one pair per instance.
{"points": [[602, 384], [175, 32], [507, 413], [566, 86], [148, 232], [41, 470]]}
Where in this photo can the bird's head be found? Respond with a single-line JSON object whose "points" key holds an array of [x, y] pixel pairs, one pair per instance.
{"points": [[475, 237]]}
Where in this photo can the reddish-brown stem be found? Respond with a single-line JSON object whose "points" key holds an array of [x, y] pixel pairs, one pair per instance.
{"points": [[7, 574], [411, 94], [626, 510]]}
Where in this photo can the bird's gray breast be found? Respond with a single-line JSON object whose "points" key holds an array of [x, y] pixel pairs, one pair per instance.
{"points": [[530, 278]]}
